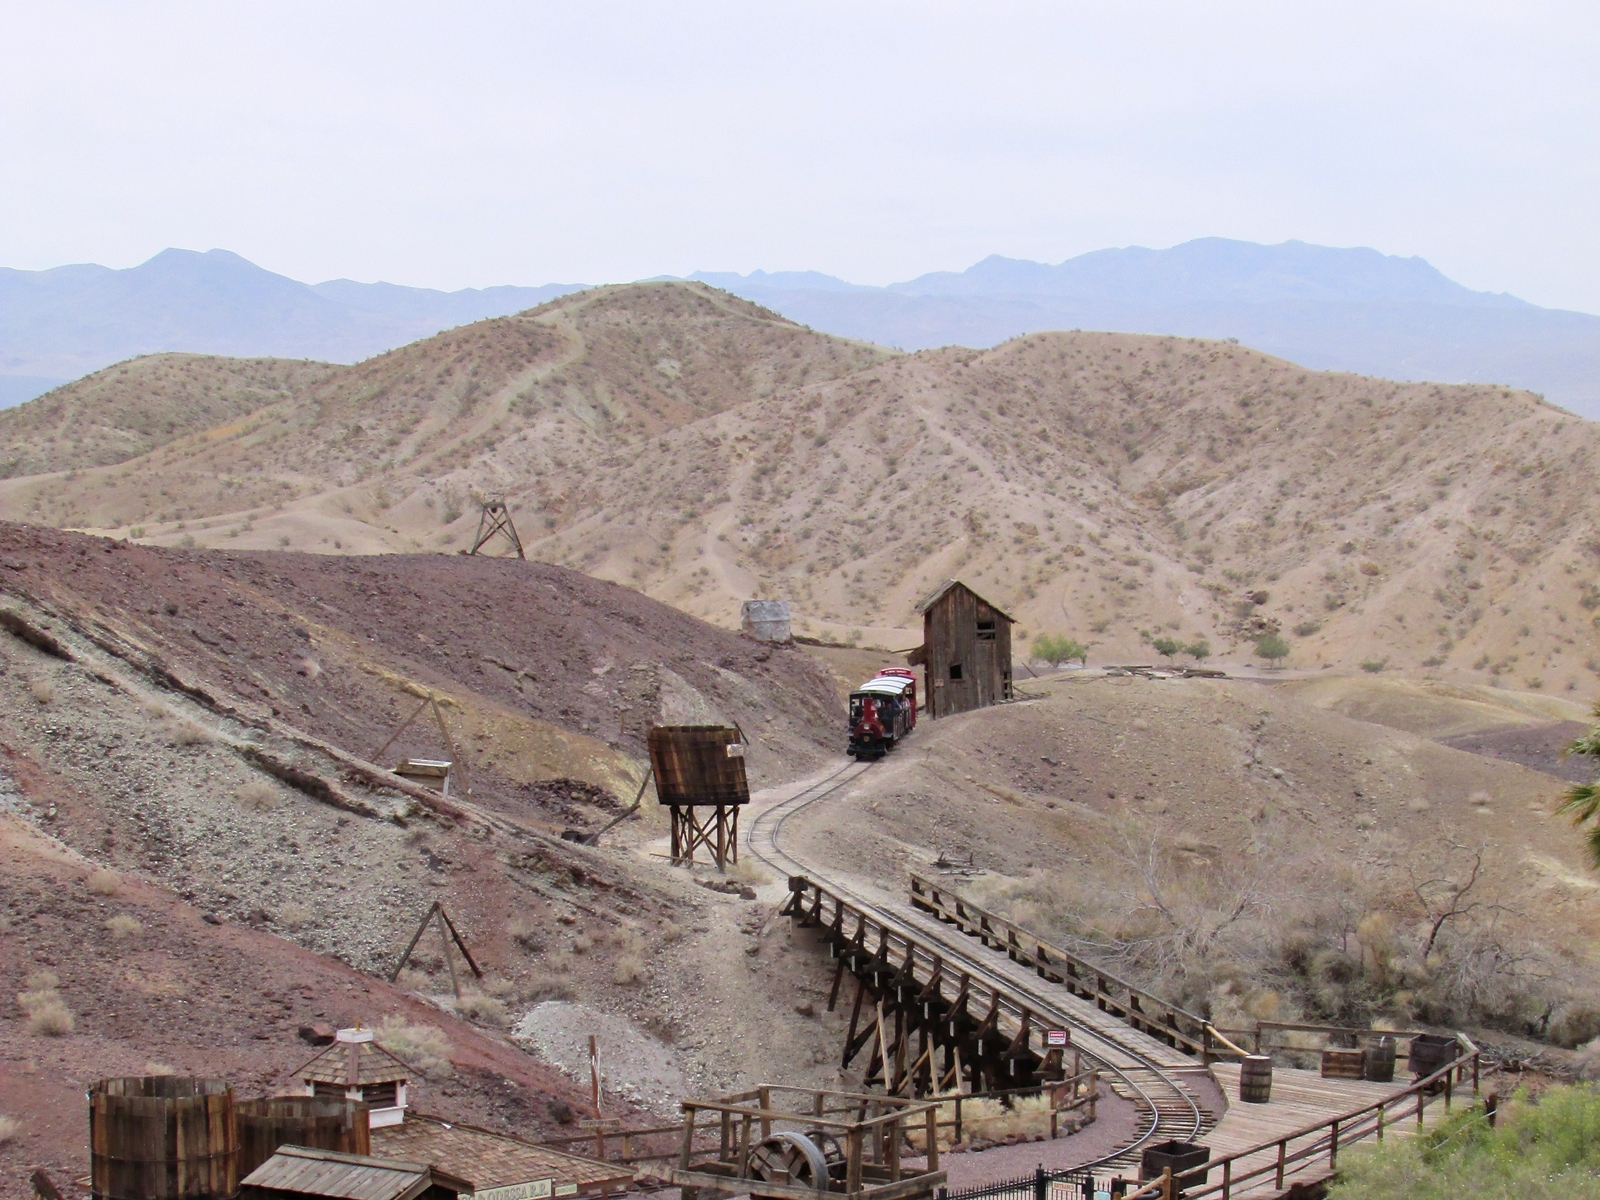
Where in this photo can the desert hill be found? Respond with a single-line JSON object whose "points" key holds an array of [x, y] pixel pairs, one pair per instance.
{"points": [[188, 813], [1114, 487]]}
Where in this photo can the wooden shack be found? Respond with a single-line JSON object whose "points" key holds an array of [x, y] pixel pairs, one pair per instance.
{"points": [[965, 651]]}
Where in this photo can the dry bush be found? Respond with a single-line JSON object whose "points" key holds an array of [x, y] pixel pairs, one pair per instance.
{"points": [[553, 987], [486, 1010], [628, 971], [500, 987], [423, 1048], [104, 882], [293, 915], [41, 689], [413, 980], [628, 940], [987, 1119], [748, 872], [526, 932], [258, 794], [48, 1015], [152, 1067], [583, 943], [185, 732], [669, 932], [9, 1128], [123, 926]]}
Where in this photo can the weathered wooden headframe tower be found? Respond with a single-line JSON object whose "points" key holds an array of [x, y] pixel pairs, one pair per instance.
{"points": [[700, 777], [496, 518], [923, 1042]]}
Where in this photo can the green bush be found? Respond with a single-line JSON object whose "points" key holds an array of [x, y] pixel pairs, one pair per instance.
{"points": [[1199, 649], [1375, 665], [1056, 648], [1271, 647], [1540, 1150], [1167, 647]]}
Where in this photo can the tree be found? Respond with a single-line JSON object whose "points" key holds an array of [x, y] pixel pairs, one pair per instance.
{"points": [[1199, 649], [1168, 648], [1056, 648], [1271, 647], [1583, 799]]}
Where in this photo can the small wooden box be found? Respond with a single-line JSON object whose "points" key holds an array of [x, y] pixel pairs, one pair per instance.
{"points": [[1342, 1064]]}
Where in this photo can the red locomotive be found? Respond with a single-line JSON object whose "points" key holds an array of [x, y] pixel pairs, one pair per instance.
{"points": [[882, 711]]}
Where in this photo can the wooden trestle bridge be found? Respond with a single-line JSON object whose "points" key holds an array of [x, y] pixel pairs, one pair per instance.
{"points": [[948, 996]]}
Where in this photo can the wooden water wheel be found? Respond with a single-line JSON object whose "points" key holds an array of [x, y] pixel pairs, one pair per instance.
{"points": [[796, 1159]]}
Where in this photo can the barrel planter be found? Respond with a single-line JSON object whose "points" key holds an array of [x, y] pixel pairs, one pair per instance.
{"points": [[1379, 1065], [163, 1137], [1255, 1079], [316, 1122]]}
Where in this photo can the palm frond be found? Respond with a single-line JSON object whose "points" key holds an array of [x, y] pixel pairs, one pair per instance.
{"points": [[1594, 847], [1582, 802]]}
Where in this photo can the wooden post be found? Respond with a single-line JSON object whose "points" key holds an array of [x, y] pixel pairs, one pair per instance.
{"points": [[933, 1138], [1166, 1183], [1333, 1146], [852, 1177], [444, 940], [1448, 1089], [1421, 1092], [1094, 1091], [958, 1112], [892, 1130], [1227, 1179], [1381, 1111], [744, 1146], [726, 1152], [764, 1098], [1282, 1147]]}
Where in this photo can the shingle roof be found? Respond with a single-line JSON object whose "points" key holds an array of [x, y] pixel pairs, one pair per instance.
{"points": [[344, 1176], [491, 1160], [938, 594], [354, 1064]]}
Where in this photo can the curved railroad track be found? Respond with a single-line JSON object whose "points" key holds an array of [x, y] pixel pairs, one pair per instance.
{"points": [[1164, 1106]]}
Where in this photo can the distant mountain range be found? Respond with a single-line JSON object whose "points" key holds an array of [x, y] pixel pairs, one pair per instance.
{"points": [[1341, 309], [59, 324]]}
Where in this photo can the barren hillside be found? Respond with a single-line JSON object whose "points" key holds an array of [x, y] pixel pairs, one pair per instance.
{"points": [[1242, 848], [1112, 487], [198, 850]]}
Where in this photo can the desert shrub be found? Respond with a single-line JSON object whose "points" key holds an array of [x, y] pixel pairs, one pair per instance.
{"points": [[1306, 628], [582, 944], [184, 732], [627, 971], [1374, 666], [412, 980], [104, 882], [41, 689], [527, 933], [486, 1010], [1199, 649], [1541, 1149], [9, 1128], [500, 987], [1167, 647], [552, 987], [747, 872], [123, 926], [293, 915], [47, 1013], [1574, 1024], [257, 794], [1056, 649], [153, 1067], [423, 1048], [988, 1120]]}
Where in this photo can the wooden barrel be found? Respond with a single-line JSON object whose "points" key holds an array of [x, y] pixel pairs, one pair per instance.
{"points": [[1255, 1079], [316, 1122], [163, 1137], [1379, 1064]]}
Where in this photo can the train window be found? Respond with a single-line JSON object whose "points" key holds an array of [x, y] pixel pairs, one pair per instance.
{"points": [[955, 671]]}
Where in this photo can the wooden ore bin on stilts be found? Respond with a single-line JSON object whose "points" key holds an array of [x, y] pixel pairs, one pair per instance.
{"points": [[163, 1137], [700, 767]]}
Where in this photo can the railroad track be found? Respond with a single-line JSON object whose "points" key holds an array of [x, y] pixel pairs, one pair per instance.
{"points": [[1164, 1106]]}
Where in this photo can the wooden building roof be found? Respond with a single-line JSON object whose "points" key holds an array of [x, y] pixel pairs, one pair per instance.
{"points": [[939, 593], [354, 1064], [341, 1176], [494, 1160]]}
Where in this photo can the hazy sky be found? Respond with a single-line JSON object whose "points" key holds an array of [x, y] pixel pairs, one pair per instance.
{"points": [[467, 144]]}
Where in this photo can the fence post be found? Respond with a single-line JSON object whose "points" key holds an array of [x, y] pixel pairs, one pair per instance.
{"points": [[1421, 1092], [1333, 1146], [1448, 1089], [1166, 1183], [1475, 1074], [958, 1115], [1282, 1149], [1227, 1179], [1381, 1111], [1041, 1183]]}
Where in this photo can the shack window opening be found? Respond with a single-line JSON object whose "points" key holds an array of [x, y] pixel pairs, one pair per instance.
{"points": [[382, 1095], [955, 671], [986, 630]]}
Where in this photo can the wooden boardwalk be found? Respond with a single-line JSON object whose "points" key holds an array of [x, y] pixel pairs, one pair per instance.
{"points": [[1302, 1098]]}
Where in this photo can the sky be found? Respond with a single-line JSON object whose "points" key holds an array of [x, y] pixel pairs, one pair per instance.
{"points": [[470, 144]]}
